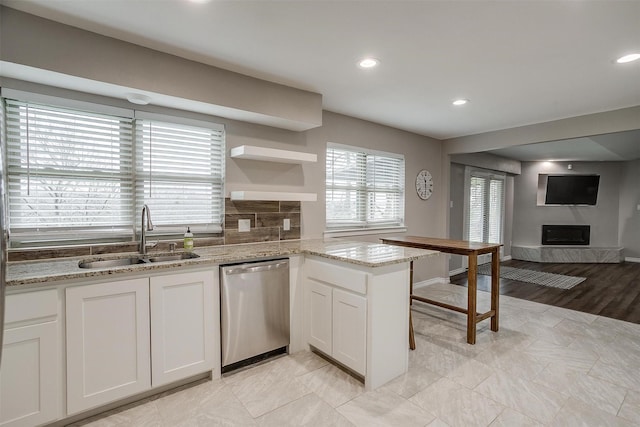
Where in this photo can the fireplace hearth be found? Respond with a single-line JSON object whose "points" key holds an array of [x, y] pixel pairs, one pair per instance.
{"points": [[566, 234]]}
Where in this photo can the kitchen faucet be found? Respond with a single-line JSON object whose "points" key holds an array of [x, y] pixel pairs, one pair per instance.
{"points": [[143, 229]]}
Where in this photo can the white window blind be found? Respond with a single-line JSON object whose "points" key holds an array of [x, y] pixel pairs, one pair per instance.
{"points": [[485, 207], [75, 175], [69, 172], [179, 174], [364, 189]]}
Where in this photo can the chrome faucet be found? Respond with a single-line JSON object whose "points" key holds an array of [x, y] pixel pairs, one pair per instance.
{"points": [[143, 229]]}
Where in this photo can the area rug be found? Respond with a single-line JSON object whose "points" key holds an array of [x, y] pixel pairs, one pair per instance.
{"points": [[538, 277]]}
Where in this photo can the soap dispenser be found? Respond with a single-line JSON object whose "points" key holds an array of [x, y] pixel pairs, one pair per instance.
{"points": [[188, 240]]}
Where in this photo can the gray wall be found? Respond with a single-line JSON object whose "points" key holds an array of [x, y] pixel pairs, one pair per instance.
{"points": [[629, 215], [603, 217]]}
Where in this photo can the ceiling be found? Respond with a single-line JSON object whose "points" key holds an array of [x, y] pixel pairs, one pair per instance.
{"points": [[518, 62]]}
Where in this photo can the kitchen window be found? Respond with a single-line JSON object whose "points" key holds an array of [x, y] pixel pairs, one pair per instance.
{"points": [[83, 174], [364, 188]]}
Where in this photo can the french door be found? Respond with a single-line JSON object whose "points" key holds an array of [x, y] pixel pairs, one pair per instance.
{"points": [[484, 207]]}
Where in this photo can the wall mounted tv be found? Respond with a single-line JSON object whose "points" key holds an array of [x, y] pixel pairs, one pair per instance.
{"points": [[572, 189]]}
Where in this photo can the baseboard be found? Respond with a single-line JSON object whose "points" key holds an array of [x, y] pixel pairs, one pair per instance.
{"points": [[429, 282], [631, 259], [457, 271], [506, 258]]}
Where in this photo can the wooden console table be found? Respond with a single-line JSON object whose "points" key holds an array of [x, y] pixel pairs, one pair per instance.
{"points": [[471, 250]]}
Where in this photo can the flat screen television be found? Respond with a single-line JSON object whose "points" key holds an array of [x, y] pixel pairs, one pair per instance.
{"points": [[572, 189]]}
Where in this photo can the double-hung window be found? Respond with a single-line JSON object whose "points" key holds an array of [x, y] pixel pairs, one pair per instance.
{"points": [[75, 175], [364, 188]]}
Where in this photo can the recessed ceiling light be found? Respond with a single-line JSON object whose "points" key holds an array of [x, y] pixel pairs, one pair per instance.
{"points": [[460, 101], [368, 63], [138, 98], [628, 58]]}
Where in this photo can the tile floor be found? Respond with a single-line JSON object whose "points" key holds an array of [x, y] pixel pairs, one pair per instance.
{"points": [[547, 366]]}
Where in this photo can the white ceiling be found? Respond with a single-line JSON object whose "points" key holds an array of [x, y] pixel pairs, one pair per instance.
{"points": [[519, 62]]}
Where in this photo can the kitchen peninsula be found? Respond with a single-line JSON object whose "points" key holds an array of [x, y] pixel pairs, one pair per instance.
{"points": [[348, 300]]}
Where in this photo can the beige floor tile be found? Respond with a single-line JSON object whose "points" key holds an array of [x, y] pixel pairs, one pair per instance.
{"points": [[577, 414], [630, 409], [621, 374], [332, 385], [309, 411], [527, 397], [415, 380], [384, 408], [456, 405], [511, 418]]}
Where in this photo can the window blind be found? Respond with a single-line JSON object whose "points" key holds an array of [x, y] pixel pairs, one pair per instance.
{"points": [[180, 174], [68, 171], [364, 189], [485, 208]]}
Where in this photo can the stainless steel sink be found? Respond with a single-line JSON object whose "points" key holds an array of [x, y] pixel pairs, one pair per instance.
{"points": [[119, 262], [174, 257], [106, 263]]}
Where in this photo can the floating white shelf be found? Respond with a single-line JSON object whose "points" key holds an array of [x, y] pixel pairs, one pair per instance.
{"points": [[272, 195], [272, 155]]}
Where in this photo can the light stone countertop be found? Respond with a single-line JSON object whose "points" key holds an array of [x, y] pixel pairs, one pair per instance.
{"points": [[22, 273]]}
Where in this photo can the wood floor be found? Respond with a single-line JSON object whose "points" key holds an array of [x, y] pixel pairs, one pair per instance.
{"points": [[611, 290]]}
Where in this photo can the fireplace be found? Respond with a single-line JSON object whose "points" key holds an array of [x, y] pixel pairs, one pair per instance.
{"points": [[565, 234]]}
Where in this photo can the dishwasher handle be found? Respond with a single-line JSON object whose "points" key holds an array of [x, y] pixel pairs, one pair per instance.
{"points": [[256, 267]]}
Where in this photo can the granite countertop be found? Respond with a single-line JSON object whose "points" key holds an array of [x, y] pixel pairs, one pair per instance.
{"points": [[360, 253]]}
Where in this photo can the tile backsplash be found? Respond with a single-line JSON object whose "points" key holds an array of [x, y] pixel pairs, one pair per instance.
{"points": [[266, 220], [266, 224]]}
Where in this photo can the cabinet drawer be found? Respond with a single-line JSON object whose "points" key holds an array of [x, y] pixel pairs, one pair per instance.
{"points": [[347, 278], [31, 305]]}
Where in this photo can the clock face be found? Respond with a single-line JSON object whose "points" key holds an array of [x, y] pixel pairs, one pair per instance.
{"points": [[424, 184]]}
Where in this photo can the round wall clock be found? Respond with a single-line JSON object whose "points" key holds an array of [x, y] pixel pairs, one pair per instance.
{"points": [[424, 184]]}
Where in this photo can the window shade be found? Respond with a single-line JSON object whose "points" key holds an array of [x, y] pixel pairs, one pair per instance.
{"points": [[68, 170], [179, 174], [485, 209], [363, 189]]}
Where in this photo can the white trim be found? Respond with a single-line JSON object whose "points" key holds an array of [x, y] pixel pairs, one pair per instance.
{"points": [[364, 150], [505, 258], [457, 271], [271, 154], [364, 231], [429, 282], [54, 101], [632, 259], [166, 118]]}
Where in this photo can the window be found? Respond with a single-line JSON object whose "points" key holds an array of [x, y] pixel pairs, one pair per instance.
{"points": [[364, 188], [77, 175], [485, 206]]}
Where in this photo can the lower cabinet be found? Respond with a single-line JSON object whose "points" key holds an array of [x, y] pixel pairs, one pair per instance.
{"points": [[108, 355], [30, 373], [183, 309], [338, 324], [128, 336]]}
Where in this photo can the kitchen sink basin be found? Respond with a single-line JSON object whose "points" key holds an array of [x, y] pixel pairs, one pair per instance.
{"points": [[173, 257], [120, 262]]}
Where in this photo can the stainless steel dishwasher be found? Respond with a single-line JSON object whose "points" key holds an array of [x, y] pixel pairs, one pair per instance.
{"points": [[254, 310]]}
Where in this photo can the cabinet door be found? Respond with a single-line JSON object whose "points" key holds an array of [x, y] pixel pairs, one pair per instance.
{"points": [[108, 354], [29, 379], [350, 330], [320, 316], [183, 311]]}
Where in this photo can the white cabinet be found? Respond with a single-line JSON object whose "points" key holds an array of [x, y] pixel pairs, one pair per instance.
{"points": [[337, 318], [350, 329], [128, 336], [183, 333], [359, 316], [30, 376], [108, 355], [320, 316]]}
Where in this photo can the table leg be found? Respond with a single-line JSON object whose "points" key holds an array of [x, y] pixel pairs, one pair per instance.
{"points": [[495, 288], [472, 279], [412, 339]]}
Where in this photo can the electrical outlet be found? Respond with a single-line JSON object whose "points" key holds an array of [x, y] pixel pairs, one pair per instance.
{"points": [[244, 225], [286, 224]]}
